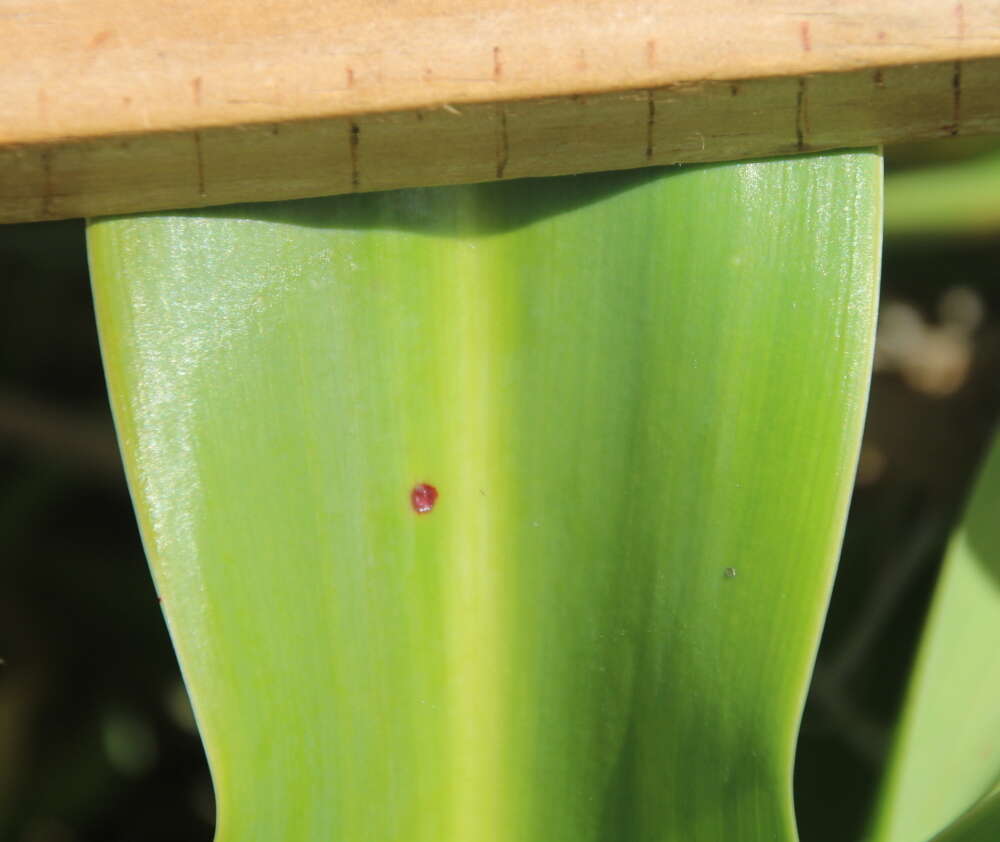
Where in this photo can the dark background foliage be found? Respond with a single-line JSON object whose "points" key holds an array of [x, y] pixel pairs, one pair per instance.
{"points": [[97, 742]]}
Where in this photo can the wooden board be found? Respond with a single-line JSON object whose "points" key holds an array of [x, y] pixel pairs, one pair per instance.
{"points": [[124, 105]]}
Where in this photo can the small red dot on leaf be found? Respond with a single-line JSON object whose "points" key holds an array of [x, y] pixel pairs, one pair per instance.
{"points": [[423, 497]]}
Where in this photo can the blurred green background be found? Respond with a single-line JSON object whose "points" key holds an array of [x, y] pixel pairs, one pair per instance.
{"points": [[97, 741]]}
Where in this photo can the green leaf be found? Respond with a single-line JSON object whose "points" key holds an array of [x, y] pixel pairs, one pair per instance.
{"points": [[946, 754], [980, 824], [957, 198], [639, 397]]}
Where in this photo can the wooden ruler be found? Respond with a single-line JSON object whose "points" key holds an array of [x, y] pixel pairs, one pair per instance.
{"points": [[111, 106]]}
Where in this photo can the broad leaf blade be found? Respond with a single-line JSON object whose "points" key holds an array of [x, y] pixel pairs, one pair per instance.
{"points": [[947, 752], [639, 397]]}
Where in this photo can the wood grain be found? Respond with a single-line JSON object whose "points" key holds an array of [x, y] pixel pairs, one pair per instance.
{"points": [[111, 106]]}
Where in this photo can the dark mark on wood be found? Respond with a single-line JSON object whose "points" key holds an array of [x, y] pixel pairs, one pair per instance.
{"points": [[46, 183], [650, 124], [353, 140], [805, 36], [880, 35], [497, 65], [101, 38], [196, 90], [349, 76], [503, 142], [200, 164], [956, 98], [801, 118]]}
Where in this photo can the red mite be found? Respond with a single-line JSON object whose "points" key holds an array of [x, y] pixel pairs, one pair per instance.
{"points": [[423, 497]]}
